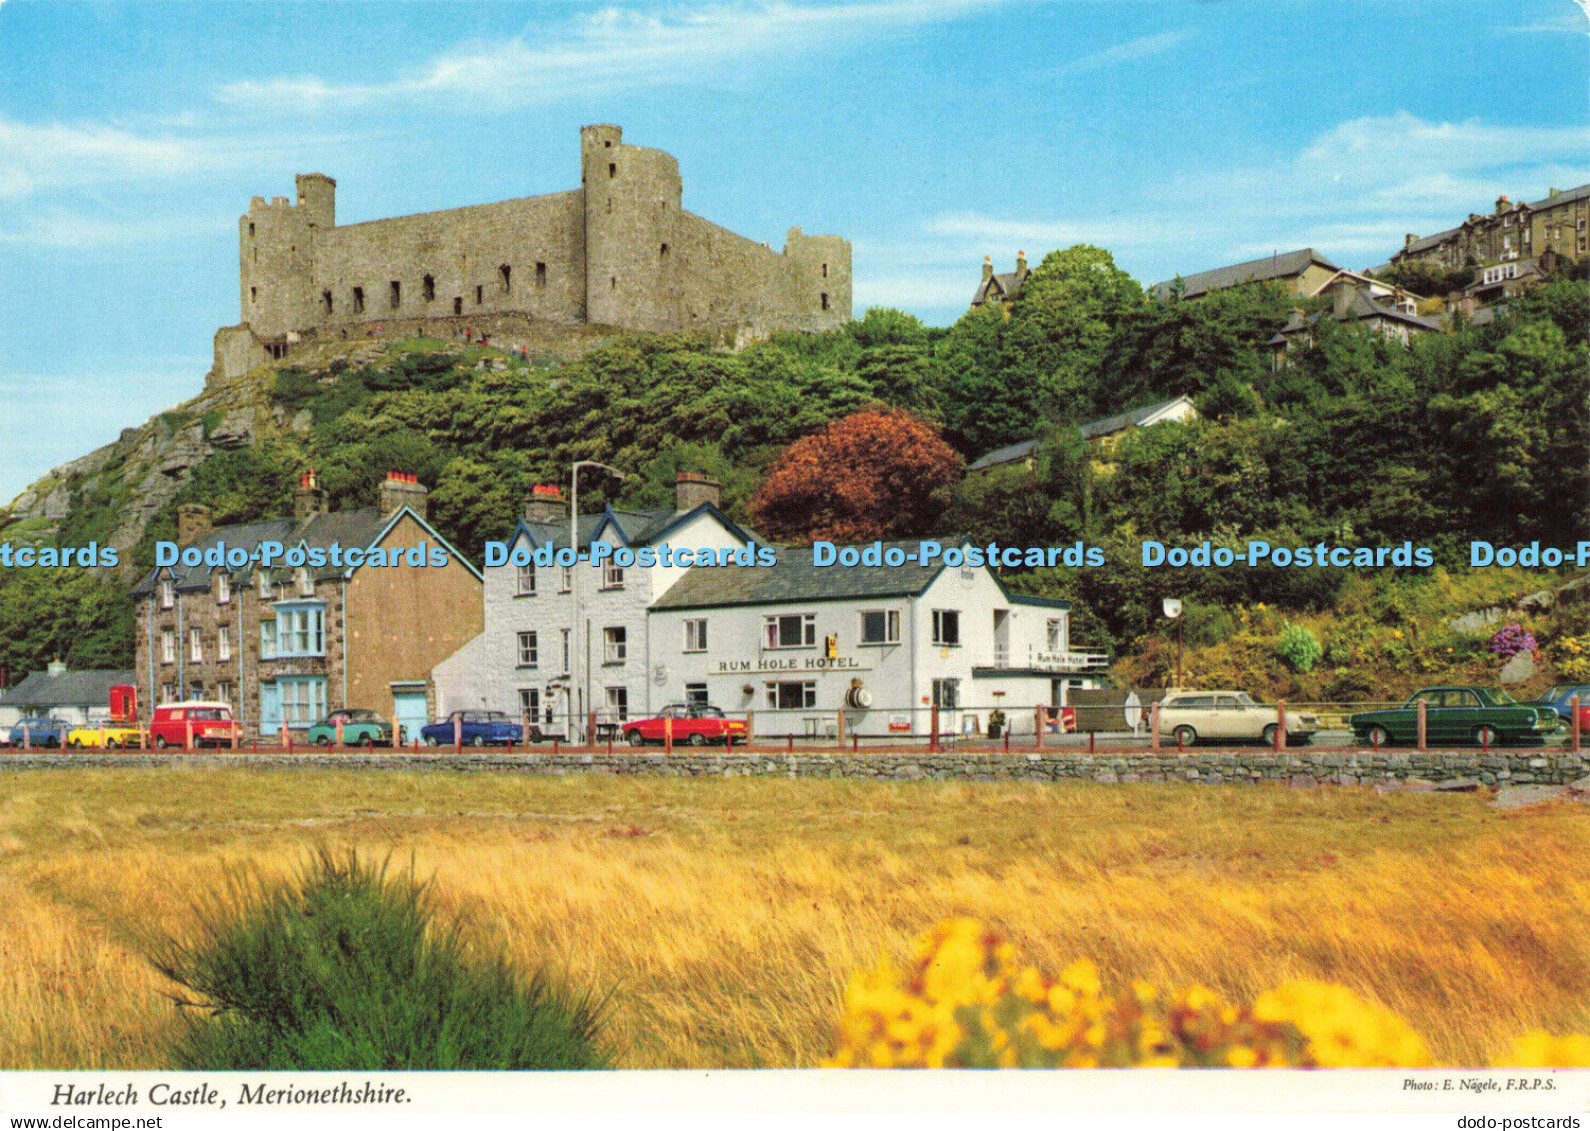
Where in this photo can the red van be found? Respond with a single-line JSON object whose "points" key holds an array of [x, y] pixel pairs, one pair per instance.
{"points": [[211, 722]]}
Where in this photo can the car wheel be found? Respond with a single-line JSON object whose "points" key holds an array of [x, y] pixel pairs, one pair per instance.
{"points": [[52, 742], [1268, 734], [634, 738], [367, 742], [478, 740], [75, 744], [430, 740], [112, 744], [322, 740], [160, 742], [1486, 735], [1379, 736], [1184, 735], [697, 739]]}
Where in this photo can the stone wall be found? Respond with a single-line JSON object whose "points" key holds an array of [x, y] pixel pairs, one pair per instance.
{"points": [[1301, 769]]}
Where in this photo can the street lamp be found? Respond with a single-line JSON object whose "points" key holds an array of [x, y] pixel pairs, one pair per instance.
{"points": [[574, 583], [1172, 608]]}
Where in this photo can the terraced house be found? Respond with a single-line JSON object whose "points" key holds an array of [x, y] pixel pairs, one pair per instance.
{"points": [[285, 645]]}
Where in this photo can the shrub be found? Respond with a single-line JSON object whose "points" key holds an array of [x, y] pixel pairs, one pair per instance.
{"points": [[963, 1002], [1299, 647], [1510, 640], [344, 967]]}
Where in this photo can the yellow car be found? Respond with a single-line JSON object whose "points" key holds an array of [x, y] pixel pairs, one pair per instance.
{"points": [[111, 736]]}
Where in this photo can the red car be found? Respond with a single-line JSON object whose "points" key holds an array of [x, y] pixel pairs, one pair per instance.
{"points": [[695, 725], [211, 722]]}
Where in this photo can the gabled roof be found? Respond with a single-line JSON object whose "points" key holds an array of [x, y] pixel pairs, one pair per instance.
{"points": [[633, 528], [1003, 286], [65, 689], [1013, 453], [1282, 266], [1428, 242], [360, 529]]}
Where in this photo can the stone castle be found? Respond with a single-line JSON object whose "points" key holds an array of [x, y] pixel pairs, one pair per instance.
{"points": [[618, 252]]}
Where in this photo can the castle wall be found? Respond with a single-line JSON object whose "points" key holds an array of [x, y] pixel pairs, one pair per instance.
{"points": [[540, 239]]}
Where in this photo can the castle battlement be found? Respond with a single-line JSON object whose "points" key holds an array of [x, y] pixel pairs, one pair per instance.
{"points": [[618, 251]]}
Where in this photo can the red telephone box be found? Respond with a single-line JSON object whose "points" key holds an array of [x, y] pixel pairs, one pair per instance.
{"points": [[123, 704]]}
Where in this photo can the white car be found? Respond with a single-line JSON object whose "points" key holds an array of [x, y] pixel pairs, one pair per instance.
{"points": [[1188, 716]]}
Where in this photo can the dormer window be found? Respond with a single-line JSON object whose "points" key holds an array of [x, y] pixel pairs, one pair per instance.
{"points": [[266, 589], [306, 584], [223, 588], [168, 593]]}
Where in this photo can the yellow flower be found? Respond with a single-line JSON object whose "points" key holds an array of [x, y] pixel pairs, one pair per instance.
{"points": [[1539, 1049]]}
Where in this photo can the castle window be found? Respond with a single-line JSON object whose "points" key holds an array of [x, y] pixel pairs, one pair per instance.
{"points": [[662, 252], [428, 288], [458, 304], [612, 283], [325, 297], [358, 300], [397, 294], [541, 274], [825, 270], [480, 295], [825, 300], [612, 170], [251, 229], [609, 206], [253, 294], [506, 273]]}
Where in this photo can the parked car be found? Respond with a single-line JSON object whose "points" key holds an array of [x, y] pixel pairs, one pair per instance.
{"points": [[1191, 716], [360, 727], [41, 731], [1557, 699], [478, 728], [1457, 714], [111, 736], [693, 724], [212, 724]]}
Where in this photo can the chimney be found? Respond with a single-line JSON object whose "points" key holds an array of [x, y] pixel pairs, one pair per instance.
{"points": [[545, 504], [1342, 300], [193, 519], [403, 489], [1552, 194], [1501, 205], [309, 500], [988, 268], [693, 488], [1407, 240], [57, 666], [1021, 266]]}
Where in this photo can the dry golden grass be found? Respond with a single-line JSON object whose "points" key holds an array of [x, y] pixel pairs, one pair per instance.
{"points": [[725, 915]]}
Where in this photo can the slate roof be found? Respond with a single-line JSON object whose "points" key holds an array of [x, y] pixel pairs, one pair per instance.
{"points": [[795, 578], [637, 528], [356, 528], [1091, 430], [1007, 285], [1362, 309], [67, 689], [1567, 196], [1428, 242], [1271, 267]]}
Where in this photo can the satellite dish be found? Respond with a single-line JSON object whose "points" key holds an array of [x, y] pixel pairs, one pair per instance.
{"points": [[1172, 607]]}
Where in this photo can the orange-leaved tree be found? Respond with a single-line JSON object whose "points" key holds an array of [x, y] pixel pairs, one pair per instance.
{"points": [[877, 473]]}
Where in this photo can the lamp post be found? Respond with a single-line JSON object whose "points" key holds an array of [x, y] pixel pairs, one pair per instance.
{"points": [[1172, 608], [574, 582]]}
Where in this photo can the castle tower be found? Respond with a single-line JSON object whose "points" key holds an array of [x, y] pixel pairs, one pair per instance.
{"points": [[822, 265], [317, 197], [632, 200], [275, 267]]}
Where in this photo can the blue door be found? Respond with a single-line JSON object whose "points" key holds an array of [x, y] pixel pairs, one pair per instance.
{"points": [[408, 711]]}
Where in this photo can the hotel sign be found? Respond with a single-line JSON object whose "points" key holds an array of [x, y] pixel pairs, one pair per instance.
{"points": [[763, 664]]}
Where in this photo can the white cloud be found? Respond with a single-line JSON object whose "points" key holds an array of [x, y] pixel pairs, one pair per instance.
{"points": [[1143, 48], [607, 50], [1351, 193], [61, 229], [33, 157]]}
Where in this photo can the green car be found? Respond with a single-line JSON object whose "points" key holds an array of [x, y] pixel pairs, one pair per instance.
{"points": [[1482, 715], [359, 728]]}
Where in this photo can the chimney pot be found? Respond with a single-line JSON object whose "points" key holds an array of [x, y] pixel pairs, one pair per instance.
{"points": [[545, 504], [693, 489], [309, 500], [403, 489]]}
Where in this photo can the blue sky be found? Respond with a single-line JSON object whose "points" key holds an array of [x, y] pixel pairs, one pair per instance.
{"points": [[1179, 135]]}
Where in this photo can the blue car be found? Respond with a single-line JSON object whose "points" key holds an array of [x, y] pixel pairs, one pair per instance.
{"points": [[477, 728], [1557, 699], [41, 732]]}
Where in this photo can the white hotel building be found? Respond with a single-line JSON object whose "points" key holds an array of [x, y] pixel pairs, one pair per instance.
{"points": [[794, 643]]}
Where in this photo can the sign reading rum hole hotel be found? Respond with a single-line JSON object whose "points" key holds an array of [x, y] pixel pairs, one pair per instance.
{"points": [[791, 664]]}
